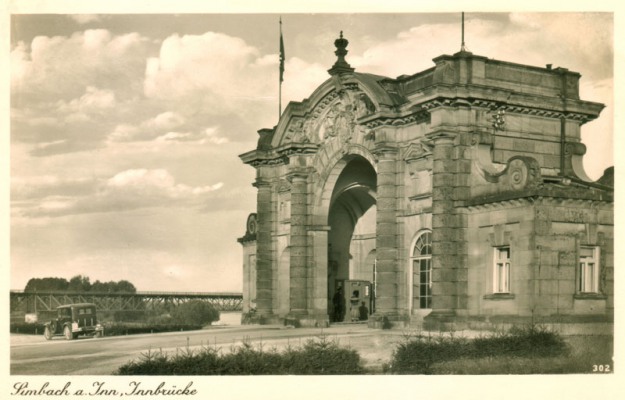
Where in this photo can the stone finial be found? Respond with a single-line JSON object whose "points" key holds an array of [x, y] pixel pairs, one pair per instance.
{"points": [[340, 66]]}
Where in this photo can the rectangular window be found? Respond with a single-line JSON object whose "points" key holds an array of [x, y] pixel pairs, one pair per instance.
{"points": [[588, 276], [501, 276]]}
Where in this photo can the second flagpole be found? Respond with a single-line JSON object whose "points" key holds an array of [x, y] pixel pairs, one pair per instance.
{"points": [[281, 75]]}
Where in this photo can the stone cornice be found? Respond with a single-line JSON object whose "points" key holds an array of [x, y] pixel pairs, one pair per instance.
{"points": [[262, 162], [379, 120], [540, 193], [553, 110], [247, 239], [279, 156], [297, 148]]}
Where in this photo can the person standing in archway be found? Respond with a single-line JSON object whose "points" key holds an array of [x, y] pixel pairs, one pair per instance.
{"points": [[363, 312], [339, 305]]}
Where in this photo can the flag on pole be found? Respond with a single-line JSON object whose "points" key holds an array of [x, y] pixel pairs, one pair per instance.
{"points": [[281, 54]]}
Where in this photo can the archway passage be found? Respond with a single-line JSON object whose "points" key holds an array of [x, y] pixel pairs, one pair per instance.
{"points": [[351, 240]]}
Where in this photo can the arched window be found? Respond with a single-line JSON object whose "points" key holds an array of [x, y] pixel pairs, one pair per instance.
{"points": [[422, 271]]}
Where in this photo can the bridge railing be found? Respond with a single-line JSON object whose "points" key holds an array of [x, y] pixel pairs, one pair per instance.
{"points": [[48, 301]]}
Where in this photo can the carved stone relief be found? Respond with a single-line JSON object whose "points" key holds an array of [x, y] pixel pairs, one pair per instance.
{"points": [[335, 116]]}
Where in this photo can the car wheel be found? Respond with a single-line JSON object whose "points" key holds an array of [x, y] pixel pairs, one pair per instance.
{"points": [[47, 333], [67, 332]]}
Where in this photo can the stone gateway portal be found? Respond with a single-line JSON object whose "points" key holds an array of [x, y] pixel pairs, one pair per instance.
{"points": [[452, 196]]}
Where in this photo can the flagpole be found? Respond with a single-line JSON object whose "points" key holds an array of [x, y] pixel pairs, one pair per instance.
{"points": [[280, 77], [462, 43]]}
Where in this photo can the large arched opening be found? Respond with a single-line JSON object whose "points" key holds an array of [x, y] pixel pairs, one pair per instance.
{"points": [[351, 239]]}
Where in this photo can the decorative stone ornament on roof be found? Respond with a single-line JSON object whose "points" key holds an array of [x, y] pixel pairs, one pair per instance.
{"points": [[340, 66]]}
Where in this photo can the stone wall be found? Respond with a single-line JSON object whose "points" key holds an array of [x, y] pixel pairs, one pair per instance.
{"points": [[545, 236]]}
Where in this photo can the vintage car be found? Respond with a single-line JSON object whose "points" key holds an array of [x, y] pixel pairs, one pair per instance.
{"points": [[74, 320]]}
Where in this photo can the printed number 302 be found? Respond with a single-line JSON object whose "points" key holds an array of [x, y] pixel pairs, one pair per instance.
{"points": [[601, 368]]}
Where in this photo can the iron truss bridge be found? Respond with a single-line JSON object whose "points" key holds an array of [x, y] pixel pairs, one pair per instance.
{"points": [[33, 302]]}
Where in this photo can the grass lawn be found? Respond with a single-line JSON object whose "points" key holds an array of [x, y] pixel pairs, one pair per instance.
{"points": [[585, 354]]}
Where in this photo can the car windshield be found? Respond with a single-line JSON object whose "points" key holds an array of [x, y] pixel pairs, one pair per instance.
{"points": [[65, 312]]}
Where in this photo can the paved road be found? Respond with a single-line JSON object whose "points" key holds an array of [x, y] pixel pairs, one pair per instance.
{"points": [[33, 355]]}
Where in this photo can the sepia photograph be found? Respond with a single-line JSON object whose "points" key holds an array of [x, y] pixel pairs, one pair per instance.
{"points": [[223, 202]]}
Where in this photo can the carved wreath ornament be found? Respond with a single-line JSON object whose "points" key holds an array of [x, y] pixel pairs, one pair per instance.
{"points": [[334, 118], [518, 174], [522, 173], [251, 225]]}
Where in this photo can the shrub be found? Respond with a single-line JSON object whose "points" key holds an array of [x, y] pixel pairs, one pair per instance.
{"points": [[322, 357], [27, 328], [528, 341], [418, 354], [195, 312], [316, 357], [129, 316]]}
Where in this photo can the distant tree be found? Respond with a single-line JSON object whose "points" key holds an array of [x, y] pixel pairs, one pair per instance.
{"points": [[46, 284], [124, 286], [195, 312], [99, 287], [79, 283]]}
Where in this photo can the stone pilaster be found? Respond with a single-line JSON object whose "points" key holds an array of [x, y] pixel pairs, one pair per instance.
{"points": [[318, 274], [264, 254], [449, 258], [298, 244], [444, 225], [387, 245]]}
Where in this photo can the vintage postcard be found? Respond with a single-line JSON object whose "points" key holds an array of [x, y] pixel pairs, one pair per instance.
{"points": [[279, 201]]}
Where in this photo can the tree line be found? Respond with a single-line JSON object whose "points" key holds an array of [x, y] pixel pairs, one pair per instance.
{"points": [[78, 283]]}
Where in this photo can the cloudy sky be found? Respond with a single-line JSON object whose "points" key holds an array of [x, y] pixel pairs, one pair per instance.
{"points": [[126, 129]]}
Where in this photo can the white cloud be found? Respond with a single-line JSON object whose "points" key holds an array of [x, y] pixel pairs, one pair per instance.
{"points": [[208, 136], [210, 72], [167, 120], [127, 190], [148, 129], [84, 19], [94, 101], [598, 134], [418, 47], [61, 67], [48, 186], [157, 183], [301, 79], [124, 132], [68, 92]]}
